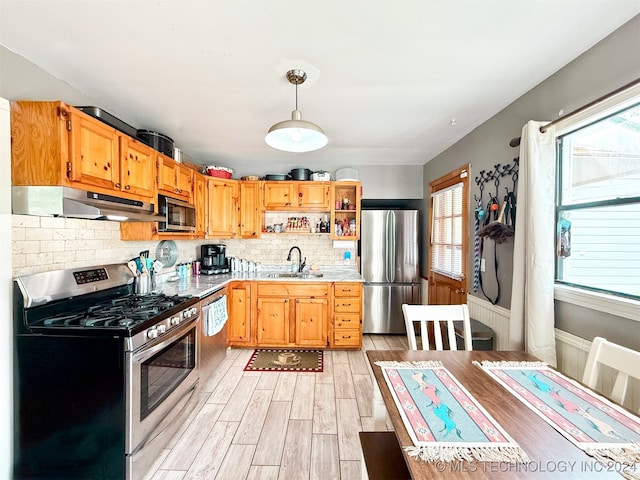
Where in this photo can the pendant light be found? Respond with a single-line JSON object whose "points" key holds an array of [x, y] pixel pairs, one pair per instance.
{"points": [[296, 135]]}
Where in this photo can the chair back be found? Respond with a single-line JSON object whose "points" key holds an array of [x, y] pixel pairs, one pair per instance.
{"points": [[436, 315], [622, 359]]}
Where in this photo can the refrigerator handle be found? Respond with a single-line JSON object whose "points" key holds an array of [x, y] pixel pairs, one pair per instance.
{"points": [[391, 246]]}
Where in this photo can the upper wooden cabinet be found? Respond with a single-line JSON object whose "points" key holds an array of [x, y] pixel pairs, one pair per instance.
{"points": [[250, 209], [200, 202], [137, 167], [174, 179], [298, 196], [94, 151], [56, 144], [222, 209], [348, 218]]}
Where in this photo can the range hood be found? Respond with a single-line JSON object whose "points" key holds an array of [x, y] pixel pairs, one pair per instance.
{"points": [[73, 203]]}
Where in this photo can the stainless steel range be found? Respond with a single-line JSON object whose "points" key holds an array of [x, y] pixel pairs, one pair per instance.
{"points": [[103, 377]]}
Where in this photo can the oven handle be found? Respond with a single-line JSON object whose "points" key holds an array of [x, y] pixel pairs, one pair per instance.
{"points": [[149, 350]]}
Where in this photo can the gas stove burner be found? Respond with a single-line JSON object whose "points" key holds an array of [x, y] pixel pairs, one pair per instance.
{"points": [[117, 313]]}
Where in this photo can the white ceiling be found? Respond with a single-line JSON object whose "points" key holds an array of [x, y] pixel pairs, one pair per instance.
{"points": [[386, 78]]}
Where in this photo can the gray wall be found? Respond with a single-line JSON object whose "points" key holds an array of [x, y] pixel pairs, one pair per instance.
{"points": [[612, 63]]}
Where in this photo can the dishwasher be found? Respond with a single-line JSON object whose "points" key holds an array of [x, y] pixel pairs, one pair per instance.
{"points": [[212, 334]]}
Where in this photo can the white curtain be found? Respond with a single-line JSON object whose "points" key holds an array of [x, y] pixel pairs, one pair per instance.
{"points": [[532, 312]]}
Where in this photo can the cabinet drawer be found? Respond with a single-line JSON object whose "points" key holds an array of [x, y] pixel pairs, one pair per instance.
{"points": [[346, 338], [347, 289], [346, 304], [291, 289], [347, 321]]}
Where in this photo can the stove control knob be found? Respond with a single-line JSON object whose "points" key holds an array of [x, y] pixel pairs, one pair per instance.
{"points": [[162, 328], [152, 333], [174, 320], [193, 311]]}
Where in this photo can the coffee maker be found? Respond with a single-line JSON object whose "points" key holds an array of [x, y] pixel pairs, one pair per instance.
{"points": [[214, 259]]}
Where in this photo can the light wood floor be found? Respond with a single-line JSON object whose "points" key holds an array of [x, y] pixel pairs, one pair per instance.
{"points": [[278, 425]]}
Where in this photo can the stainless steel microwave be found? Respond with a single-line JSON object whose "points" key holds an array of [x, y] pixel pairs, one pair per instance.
{"points": [[176, 215]]}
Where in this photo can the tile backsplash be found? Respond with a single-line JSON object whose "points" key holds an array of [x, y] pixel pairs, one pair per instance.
{"points": [[52, 243]]}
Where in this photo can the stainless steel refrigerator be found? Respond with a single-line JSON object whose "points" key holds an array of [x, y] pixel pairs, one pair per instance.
{"points": [[390, 266]]}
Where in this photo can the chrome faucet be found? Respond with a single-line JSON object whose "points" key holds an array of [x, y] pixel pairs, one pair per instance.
{"points": [[301, 263]]}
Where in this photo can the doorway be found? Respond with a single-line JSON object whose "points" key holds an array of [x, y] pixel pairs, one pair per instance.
{"points": [[448, 238]]}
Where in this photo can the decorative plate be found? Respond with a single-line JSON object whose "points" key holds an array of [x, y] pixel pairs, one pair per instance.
{"points": [[167, 253]]}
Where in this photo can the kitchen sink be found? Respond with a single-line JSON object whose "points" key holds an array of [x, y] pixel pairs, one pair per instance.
{"points": [[295, 275]]}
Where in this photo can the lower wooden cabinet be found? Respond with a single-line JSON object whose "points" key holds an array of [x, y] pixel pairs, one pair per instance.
{"points": [[295, 314], [239, 331], [347, 315], [292, 314]]}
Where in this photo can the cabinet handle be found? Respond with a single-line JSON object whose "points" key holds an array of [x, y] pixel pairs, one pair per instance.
{"points": [[127, 187], [346, 336], [118, 185], [300, 194]]}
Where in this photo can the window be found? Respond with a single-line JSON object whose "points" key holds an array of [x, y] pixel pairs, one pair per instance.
{"points": [[598, 205], [446, 231]]}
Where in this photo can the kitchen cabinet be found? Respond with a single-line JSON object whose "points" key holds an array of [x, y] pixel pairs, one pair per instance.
{"points": [[200, 202], [292, 314], [136, 158], [58, 145], [222, 208], [250, 213], [174, 179], [239, 333], [296, 196], [273, 321], [345, 210], [347, 315]]}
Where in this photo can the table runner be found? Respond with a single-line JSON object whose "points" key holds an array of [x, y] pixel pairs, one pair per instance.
{"points": [[445, 422], [597, 426]]}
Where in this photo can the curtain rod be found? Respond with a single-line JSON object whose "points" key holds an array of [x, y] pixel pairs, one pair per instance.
{"points": [[516, 141]]}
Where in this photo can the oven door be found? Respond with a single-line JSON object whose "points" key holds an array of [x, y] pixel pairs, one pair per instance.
{"points": [[160, 376]]}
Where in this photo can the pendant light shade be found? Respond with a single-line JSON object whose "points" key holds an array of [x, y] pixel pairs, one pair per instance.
{"points": [[296, 135]]}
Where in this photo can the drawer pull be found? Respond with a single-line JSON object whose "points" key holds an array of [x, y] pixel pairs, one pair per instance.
{"points": [[346, 336]]}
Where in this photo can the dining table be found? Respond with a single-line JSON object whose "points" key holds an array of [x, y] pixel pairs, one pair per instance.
{"points": [[550, 454]]}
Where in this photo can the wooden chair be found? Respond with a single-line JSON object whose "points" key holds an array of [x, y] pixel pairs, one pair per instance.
{"points": [[436, 315], [624, 360]]}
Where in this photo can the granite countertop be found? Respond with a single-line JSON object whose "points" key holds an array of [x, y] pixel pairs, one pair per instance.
{"points": [[204, 285]]}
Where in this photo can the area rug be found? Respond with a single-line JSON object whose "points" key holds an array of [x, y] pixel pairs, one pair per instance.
{"points": [[597, 426], [285, 360], [445, 422]]}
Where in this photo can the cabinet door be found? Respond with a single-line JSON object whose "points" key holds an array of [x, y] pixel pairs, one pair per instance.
{"points": [[250, 210], [239, 324], [174, 179], [95, 149], [273, 321], [222, 208], [200, 202], [279, 195], [313, 195], [137, 167], [166, 175], [311, 315], [184, 181]]}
